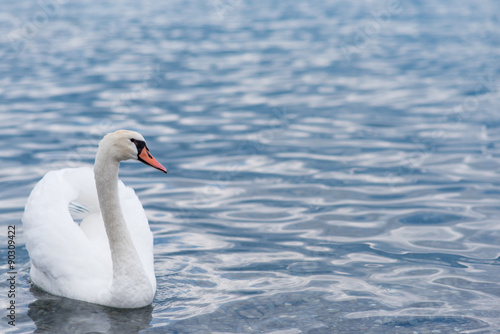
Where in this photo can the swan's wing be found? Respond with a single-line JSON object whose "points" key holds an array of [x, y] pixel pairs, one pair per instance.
{"points": [[138, 226], [62, 256]]}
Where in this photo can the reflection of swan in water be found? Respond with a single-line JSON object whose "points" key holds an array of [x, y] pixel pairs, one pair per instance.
{"points": [[53, 314], [108, 259]]}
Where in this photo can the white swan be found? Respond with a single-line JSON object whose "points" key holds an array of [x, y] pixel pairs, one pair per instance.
{"points": [[108, 258]]}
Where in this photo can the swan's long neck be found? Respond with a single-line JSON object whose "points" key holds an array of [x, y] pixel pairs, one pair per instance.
{"points": [[127, 267]]}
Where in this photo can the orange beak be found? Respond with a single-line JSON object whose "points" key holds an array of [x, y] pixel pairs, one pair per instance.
{"points": [[148, 159]]}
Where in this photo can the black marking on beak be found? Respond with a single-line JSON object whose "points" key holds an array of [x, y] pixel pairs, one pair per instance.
{"points": [[140, 146]]}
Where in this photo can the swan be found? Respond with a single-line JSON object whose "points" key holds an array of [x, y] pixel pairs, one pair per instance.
{"points": [[107, 259]]}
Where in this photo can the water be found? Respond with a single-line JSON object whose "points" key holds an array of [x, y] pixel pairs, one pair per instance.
{"points": [[333, 166]]}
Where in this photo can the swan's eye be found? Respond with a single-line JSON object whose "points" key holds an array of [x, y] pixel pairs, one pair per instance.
{"points": [[139, 144]]}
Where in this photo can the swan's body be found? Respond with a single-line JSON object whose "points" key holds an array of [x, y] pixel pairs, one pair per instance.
{"points": [[108, 259]]}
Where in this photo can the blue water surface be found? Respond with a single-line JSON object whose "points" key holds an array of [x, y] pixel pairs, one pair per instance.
{"points": [[334, 166]]}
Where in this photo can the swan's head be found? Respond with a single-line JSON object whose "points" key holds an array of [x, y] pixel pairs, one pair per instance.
{"points": [[128, 145]]}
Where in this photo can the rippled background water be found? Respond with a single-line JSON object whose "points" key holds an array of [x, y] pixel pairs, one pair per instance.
{"points": [[333, 166]]}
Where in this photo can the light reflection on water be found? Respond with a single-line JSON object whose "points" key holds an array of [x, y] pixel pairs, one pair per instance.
{"points": [[311, 189]]}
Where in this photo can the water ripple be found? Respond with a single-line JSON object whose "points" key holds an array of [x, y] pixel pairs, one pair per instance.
{"points": [[318, 182]]}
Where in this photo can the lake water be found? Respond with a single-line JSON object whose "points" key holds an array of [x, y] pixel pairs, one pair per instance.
{"points": [[334, 167]]}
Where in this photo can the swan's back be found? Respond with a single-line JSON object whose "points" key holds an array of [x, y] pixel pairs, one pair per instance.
{"points": [[73, 259]]}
